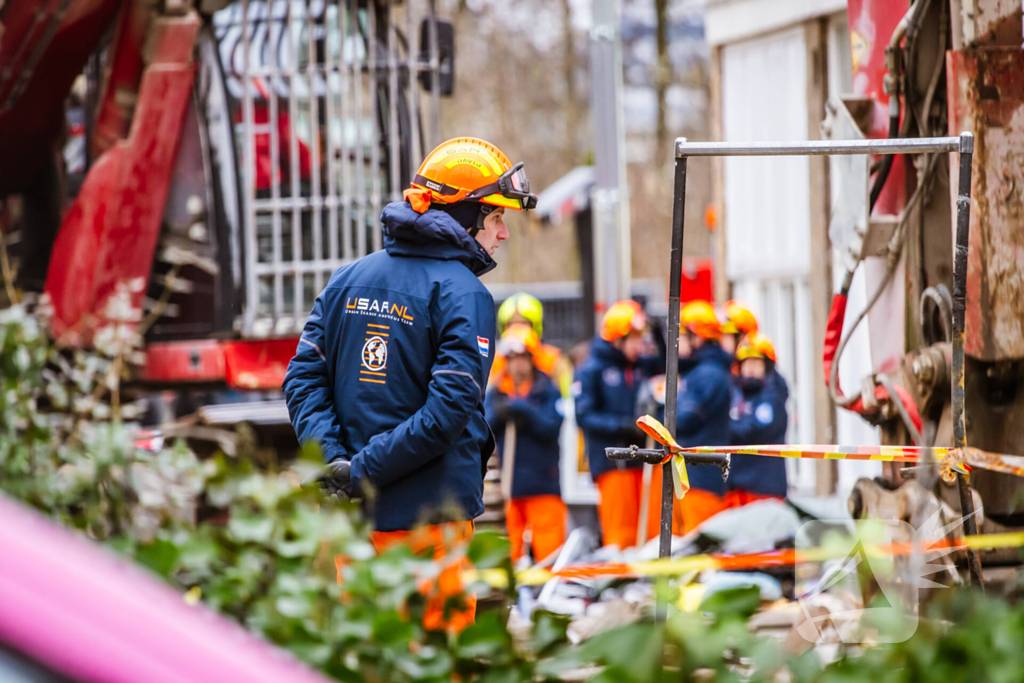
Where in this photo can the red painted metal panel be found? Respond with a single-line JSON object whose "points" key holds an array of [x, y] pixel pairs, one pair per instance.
{"points": [[986, 96], [242, 364], [115, 110], [258, 364], [698, 280], [103, 254], [872, 23], [184, 362]]}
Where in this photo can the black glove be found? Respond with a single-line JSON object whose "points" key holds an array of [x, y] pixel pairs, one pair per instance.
{"points": [[337, 480], [499, 408]]}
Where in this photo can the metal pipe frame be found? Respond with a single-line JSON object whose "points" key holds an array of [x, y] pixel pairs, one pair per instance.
{"points": [[964, 144], [822, 147], [963, 229], [654, 456]]}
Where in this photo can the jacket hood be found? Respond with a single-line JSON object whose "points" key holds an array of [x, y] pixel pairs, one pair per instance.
{"points": [[606, 352], [433, 234]]}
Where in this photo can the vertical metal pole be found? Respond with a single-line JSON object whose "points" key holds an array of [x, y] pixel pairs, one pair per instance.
{"points": [[963, 228], [672, 353], [609, 196], [672, 361]]}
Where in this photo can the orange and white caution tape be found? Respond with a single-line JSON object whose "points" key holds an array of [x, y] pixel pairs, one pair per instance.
{"points": [[950, 460], [733, 562]]}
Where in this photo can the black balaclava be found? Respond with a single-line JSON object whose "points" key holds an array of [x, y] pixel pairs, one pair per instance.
{"points": [[751, 386], [469, 215]]}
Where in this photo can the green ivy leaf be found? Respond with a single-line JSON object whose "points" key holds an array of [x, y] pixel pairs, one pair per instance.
{"points": [[390, 629], [486, 639], [636, 650], [549, 631], [488, 550], [251, 529], [733, 603], [159, 556]]}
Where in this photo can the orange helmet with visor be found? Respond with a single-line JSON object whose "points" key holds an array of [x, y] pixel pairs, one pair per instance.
{"points": [[470, 169]]}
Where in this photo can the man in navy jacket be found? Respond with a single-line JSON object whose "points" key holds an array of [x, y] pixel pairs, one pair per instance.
{"points": [[758, 417], [526, 401], [605, 390], [390, 371], [702, 415]]}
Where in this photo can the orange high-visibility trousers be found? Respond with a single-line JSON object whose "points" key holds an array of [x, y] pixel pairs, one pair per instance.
{"points": [[697, 506], [442, 539], [741, 497], [619, 509], [544, 516]]}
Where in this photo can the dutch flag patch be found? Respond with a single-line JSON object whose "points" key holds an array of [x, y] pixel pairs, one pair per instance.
{"points": [[484, 344]]}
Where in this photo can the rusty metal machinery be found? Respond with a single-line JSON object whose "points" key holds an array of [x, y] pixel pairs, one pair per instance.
{"points": [[939, 66]]}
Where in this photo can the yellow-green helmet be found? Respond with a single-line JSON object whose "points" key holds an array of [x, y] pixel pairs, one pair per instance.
{"points": [[525, 305]]}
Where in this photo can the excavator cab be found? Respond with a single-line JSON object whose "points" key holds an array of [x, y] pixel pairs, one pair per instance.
{"points": [[215, 163]]}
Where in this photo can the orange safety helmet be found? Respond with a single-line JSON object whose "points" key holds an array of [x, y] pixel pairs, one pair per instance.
{"points": [[518, 339], [699, 318], [622, 318], [741, 317], [728, 326], [755, 346], [470, 169]]}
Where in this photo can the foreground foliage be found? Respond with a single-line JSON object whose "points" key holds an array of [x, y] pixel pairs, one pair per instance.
{"points": [[259, 546]]}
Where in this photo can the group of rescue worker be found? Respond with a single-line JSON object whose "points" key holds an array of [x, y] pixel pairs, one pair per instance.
{"points": [[729, 394], [401, 377]]}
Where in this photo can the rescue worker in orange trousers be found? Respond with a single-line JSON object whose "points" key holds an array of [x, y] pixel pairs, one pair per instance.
{"points": [[524, 409], [605, 391], [702, 407], [527, 309], [390, 370], [758, 416]]}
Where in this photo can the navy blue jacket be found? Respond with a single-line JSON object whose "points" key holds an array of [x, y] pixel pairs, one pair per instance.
{"points": [[391, 368], [702, 413], [538, 420], [605, 390], [760, 419]]}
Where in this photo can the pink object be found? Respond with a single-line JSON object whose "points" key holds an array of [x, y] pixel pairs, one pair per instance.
{"points": [[90, 615]]}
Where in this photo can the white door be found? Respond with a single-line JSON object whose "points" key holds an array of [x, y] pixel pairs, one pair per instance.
{"points": [[767, 215]]}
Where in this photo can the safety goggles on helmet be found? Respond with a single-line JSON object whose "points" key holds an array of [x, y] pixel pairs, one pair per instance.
{"points": [[512, 184], [519, 339]]}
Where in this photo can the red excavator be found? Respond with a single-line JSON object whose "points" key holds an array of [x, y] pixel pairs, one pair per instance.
{"points": [[194, 170]]}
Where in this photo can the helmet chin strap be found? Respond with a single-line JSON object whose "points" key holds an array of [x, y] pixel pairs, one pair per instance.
{"points": [[485, 210]]}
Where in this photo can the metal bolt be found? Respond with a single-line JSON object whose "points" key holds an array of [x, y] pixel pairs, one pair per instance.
{"points": [[924, 369], [197, 232], [194, 205]]}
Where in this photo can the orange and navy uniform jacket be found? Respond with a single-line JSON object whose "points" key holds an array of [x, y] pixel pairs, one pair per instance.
{"points": [[702, 413], [537, 413], [548, 359], [605, 391], [759, 417], [391, 367]]}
